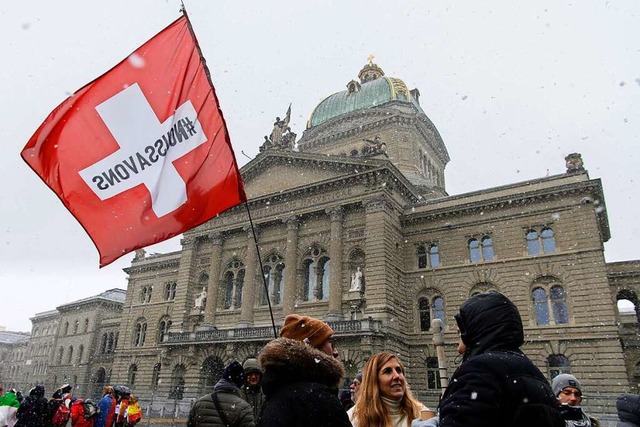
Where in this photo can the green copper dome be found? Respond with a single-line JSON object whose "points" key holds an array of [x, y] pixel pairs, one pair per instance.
{"points": [[375, 90]]}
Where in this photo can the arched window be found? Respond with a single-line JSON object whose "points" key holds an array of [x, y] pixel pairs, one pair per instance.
{"points": [[540, 306], [115, 341], [273, 269], [140, 333], [70, 355], [550, 302], [627, 303], [543, 241], [145, 294], [163, 328], [487, 248], [316, 270], [430, 308], [110, 343], [548, 240], [422, 257], [177, 382], [425, 314], [133, 370], [86, 325], [65, 331], [481, 250], [76, 325], [170, 291], [428, 255], [474, 250], [433, 373], [559, 304], [80, 353], [533, 244], [211, 372], [558, 364], [233, 284]]}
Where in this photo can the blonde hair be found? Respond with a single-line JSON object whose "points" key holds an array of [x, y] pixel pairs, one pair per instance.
{"points": [[370, 410]]}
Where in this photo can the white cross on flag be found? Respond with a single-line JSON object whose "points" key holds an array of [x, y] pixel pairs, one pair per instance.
{"points": [[142, 153]]}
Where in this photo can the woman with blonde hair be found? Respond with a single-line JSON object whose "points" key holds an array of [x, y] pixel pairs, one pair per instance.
{"points": [[385, 399]]}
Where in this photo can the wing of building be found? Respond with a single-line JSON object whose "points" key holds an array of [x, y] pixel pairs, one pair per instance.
{"points": [[354, 225]]}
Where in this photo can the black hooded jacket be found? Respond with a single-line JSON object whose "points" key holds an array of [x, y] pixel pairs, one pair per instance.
{"points": [[34, 410], [300, 386], [496, 384], [628, 406]]}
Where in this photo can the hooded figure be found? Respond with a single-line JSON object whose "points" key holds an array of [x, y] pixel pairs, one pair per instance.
{"points": [[107, 407], [496, 384], [252, 389], [302, 376], [34, 409], [224, 407], [628, 406]]}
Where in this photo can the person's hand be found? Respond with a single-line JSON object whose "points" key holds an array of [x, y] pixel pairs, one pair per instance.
{"points": [[432, 422]]}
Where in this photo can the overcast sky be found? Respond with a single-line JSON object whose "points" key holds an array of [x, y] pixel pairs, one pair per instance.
{"points": [[513, 87]]}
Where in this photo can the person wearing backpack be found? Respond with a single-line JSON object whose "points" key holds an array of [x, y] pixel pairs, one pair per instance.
{"points": [[134, 413], [34, 409], [107, 406], [83, 413], [224, 407]]}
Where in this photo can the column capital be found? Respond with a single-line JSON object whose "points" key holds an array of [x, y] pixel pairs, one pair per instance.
{"points": [[336, 213], [216, 238], [292, 222], [377, 204], [188, 242]]}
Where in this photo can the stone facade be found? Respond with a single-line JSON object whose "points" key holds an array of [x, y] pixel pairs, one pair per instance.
{"points": [[364, 191]]}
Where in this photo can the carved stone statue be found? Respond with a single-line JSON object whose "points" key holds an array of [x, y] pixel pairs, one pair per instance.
{"points": [[356, 281], [139, 254], [280, 127], [374, 147], [288, 139], [574, 163], [201, 299]]}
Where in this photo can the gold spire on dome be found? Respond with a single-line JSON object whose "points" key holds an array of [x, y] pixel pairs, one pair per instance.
{"points": [[370, 71]]}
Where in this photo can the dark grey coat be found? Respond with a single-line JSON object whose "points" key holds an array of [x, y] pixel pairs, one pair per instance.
{"points": [[237, 411]]}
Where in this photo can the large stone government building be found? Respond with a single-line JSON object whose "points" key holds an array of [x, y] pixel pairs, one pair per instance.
{"points": [[354, 226]]}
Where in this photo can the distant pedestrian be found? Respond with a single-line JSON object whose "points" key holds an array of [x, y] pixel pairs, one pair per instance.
{"points": [[302, 376], [107, 406], [628, 406], [252, 388], [224, 407], [496, 385], [134, 413], [354, 391], [568, 390]]}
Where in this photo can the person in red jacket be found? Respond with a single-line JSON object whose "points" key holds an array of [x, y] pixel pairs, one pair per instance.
{"points": [[77, 415]]}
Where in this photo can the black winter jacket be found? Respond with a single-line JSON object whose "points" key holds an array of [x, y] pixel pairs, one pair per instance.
{"points": [[496, 384], [300, 386], [628, 406], [34, 410], [236, 410]]}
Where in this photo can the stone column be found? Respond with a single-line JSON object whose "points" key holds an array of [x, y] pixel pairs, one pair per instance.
{"points": [[250, 282], [184, 300], [335, 253], [291, 291], [214, 279]]}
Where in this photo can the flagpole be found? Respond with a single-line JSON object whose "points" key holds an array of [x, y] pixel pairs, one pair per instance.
{"points": [[264, 280]]}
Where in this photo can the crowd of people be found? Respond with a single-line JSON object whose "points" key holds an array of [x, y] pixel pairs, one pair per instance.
{"points": [[116, 408], [295, 379]]}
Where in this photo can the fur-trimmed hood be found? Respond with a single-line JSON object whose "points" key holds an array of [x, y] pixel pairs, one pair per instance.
{"points": [[285, 361]]}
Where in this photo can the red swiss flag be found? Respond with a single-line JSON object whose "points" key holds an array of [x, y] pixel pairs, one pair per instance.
{"points": [[142, 153]]}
